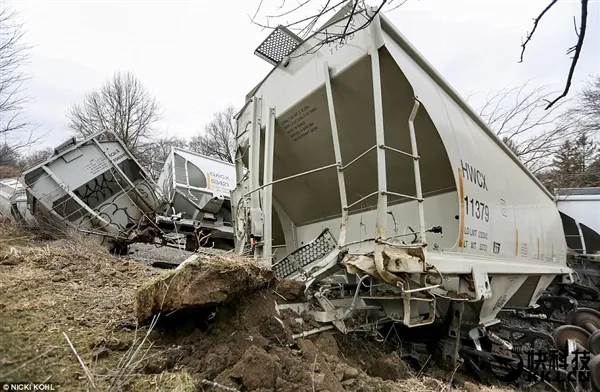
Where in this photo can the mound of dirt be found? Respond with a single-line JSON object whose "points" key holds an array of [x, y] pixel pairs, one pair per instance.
{"points": [[201, 283], [247, 344]]}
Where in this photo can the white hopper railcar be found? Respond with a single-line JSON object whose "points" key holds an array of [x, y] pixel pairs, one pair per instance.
{"points": [[13, 201], [366, 167], [198, 190], [580, 212], [7, 190], [582, 205], [97, 187]]}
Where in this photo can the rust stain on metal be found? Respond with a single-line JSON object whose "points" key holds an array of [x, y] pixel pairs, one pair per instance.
{"points": [[461, 233]]}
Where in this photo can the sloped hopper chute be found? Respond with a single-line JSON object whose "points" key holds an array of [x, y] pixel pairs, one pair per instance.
{"points": [[573, 236], [591, 239], [580, 238]]}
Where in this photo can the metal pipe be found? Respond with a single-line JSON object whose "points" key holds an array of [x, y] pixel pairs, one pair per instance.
{"points": [[399, 151], [427, 287], [353, 305], [361, 199], [404, 196], [312, 332], [358, 157]]}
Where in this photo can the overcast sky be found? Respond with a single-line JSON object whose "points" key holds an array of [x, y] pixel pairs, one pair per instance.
{"points": [[197, 57]]}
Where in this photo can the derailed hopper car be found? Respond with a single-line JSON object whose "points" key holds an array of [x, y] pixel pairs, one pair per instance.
{"points": [[580, 212], [13, 201], [97, 187], [198, 189], [391, 197]]}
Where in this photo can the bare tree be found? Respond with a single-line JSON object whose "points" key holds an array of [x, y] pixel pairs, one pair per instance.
{"points": [[123, 106], [153, 154], [575, 49], [8, 155], [586, 110], [518, 117], [35, 157], [218, 137], [302, 18], [15, 131], [158, 149]]}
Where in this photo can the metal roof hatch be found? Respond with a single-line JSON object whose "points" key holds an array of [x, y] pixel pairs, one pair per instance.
{"points": [[280, 43]]}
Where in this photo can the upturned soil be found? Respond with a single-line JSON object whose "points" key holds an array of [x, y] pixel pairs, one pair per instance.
{"points": [[77, 317]]}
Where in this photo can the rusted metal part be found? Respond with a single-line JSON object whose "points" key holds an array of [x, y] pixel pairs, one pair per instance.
{"points": [[448, 347], [594, 366], [586, 318], [594, 343], [570, 332], [404, 259]]}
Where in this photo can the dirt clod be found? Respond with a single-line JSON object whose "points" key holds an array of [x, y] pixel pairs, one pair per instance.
{"points": [[390, 367], [256, 369], [202, 283], [291, 290], [327, 343]]}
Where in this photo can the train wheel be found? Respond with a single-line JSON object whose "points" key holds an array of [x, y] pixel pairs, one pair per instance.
{"points": [[565, 332], [588, 319], [594, 366], [594, 344], [585, 318]]}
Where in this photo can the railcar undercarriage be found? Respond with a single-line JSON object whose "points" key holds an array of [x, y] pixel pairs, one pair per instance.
{"points": [[555, 341]]}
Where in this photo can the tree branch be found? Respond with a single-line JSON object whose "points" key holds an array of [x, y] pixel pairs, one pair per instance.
{"points": [[577, 48], [535, 25]]}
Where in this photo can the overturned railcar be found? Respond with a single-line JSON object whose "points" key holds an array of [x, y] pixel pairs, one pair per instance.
{"points": [[97, 187], [198, 190], [7, 190], [13, 201], [365, 167]]}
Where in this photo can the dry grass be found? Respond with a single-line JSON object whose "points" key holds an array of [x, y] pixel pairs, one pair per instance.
{"points": [[178, 381], [7, 171], [72, 287], [64, 301]]}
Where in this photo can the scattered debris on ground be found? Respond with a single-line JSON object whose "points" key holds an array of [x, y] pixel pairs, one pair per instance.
{"points": [[70, 316]]}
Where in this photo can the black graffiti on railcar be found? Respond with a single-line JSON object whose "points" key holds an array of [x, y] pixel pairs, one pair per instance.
{"points": [[98, 190]]}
